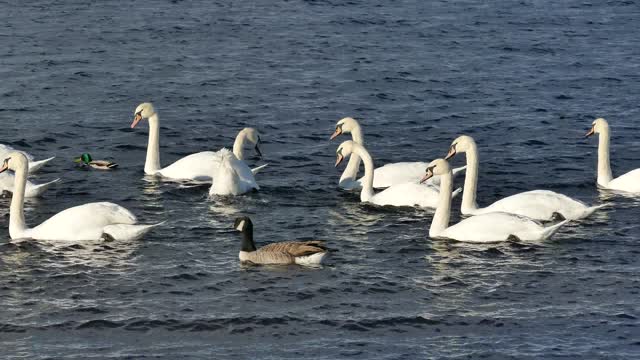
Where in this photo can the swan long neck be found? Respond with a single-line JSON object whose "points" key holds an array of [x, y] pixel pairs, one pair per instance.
{"points": [[443, 211], [604, 165], [17, 224], [367, 181], [351, 171], [152, 164], [238, 145], [469, 203]]}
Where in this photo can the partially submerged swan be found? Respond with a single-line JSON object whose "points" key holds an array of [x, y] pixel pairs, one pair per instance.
{"points": [[629, 182], [280, 253], [489, 227], [405, 194], [384, 176], [92, 221], [198, 167], [536, 204], [34, 166]]}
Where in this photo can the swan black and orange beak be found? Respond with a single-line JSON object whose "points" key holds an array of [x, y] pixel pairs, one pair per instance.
{"points": [[452, 152], [591, 132], [336, 133], [257, 149], [136, 119], [339, 159], [5, 166], [428, 175]]}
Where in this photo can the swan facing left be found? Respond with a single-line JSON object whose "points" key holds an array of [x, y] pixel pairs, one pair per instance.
{"points": [[93, 221]]}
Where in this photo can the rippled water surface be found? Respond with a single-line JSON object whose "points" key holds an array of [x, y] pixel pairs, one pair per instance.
{"points": [[524, 78]]}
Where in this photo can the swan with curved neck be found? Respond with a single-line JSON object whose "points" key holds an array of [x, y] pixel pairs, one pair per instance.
{"points": [[629, 182], [227, 179], [92, 221], [384, 176], [536, 204], [34, 165], [406, 194], [489, 227], [198, 166]]}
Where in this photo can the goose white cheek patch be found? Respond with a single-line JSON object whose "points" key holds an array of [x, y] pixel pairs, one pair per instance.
{"points": [[240, 226]]}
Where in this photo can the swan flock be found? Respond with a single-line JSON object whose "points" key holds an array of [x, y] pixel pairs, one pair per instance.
{"points": [[533, 215]]}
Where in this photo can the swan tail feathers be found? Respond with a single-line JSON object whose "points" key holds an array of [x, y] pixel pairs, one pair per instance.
{"points": [[590, 210], [459, 169], [37, 190], [548, 232], [37, 165], [258, 169], [128, 232], [456, 192]]}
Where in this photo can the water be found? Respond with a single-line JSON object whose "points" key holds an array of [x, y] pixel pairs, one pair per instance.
{"points": [[524, 78]]}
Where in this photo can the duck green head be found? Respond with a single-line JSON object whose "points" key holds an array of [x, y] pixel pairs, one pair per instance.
{"points": [[84, 158]]}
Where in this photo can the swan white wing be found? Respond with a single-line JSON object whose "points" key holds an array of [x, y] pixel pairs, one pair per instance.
{"points": [[629, 182], [539, 205], [233, 177], [6, 150], [7, 183], [398, 173], [494, 227], [407, 194], [83, 222], [199, 167]]}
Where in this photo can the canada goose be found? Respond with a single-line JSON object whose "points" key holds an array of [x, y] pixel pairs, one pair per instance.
{"points": [[280, 253]]}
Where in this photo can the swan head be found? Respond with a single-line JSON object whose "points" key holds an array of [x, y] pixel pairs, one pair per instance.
{"points": [[598, 126], [15, 160], [345, 125], [460, 144], [436, 167], [345, 149], [143, 111], [253, 136]]}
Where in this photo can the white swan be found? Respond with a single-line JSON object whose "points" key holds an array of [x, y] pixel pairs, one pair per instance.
{"points": [[92, 221], [406, 194], [7, 183], [629, 182], [489, 227], [199, 166], [232, 176], [537, 204], [34, 166], [384, 176]]}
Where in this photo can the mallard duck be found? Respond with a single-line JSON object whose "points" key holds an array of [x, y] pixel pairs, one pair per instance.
{"points": [[280, 253], [85, 159]]}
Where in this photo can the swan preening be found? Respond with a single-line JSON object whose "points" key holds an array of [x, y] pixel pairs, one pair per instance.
{"points": [[537, 204], [280, 253], [384, 176], [92, 221], [403, 194], [629, 182], [488, 227], [34, 166], [197, 167], [232, 176]]}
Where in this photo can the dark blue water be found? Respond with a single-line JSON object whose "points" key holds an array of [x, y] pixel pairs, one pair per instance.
{"points": [[524, 78]]}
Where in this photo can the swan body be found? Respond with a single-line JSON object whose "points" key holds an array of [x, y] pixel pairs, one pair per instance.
{"points": [[537, 204], [232, 176], [197, 167], [280, 253], [405, 194], [93, 221], [34, 166], [7, 183], [384, 176], [484, 228], [629, 182]]}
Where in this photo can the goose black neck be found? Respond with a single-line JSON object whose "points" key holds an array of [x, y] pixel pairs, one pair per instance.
{"points": [[247, 238]]}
